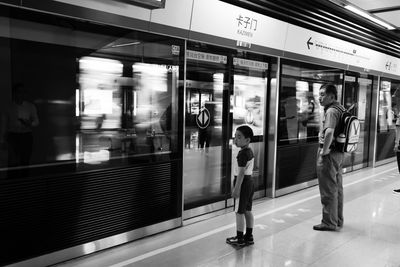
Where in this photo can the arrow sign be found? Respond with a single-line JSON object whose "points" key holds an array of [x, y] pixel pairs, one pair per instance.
{"points": [[291, 214], [304, 210], [261, 226], [278, 220], [309, 43], [203, 118]]}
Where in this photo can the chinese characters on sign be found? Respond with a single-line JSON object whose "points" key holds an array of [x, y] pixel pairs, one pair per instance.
{"points": [[390, 66], [208, 57], [246, 25], [250, 63]]}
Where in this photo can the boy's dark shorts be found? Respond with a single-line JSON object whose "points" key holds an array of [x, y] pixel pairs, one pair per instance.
{"points": [[246, 195]]}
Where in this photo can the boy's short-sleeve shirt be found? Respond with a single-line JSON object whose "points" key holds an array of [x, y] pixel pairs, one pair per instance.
{"points": [[245, 159]]}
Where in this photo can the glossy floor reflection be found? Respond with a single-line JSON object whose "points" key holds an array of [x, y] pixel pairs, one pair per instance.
{"points": [[283, 233]]}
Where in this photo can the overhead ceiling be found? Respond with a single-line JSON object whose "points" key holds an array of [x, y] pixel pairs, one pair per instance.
{"points": [[388, 10]]}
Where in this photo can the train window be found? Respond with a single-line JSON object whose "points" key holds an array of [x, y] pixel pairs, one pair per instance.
{"points": [[299, 108], [79, 96]]}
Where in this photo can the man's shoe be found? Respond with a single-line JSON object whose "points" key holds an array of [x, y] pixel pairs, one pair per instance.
{"points": [[249, 240], [323, 227], [396, 191], [236, 241]]}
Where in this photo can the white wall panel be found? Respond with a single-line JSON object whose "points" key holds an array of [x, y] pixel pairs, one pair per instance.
{"points": [[177, 13], [220, 19]]}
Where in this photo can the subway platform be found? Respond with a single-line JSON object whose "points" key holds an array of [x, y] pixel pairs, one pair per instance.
{"points": [[283, 232]]}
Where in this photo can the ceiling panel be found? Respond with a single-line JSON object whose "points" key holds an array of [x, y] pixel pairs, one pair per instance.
{"points": [[388, 10], [393, 17], [375, 4]]}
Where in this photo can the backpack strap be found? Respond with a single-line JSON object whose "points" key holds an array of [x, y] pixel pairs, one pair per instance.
{"points": [[339, 125], [338, 107]]}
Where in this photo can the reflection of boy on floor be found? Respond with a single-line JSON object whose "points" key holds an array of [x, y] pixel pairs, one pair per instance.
{"points": [[243, 189]]}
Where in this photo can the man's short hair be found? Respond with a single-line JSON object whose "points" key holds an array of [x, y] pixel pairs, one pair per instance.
{"points": [[330, 89], [246, 131]]}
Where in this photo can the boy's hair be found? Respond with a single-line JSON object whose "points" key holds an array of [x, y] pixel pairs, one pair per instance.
{"points": [[246, 131], [330, 89]]}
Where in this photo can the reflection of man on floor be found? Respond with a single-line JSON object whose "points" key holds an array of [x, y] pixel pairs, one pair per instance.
{"points": [[21, 118]]}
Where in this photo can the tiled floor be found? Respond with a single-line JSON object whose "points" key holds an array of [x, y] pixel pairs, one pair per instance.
{"points": [[283, 233]]}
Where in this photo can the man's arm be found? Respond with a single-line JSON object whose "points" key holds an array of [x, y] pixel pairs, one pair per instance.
{"points": [[327, 141]]}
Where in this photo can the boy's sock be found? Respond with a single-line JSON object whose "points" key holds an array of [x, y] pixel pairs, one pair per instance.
{"points": [[248, 237], [249, 232], [239, 234]]}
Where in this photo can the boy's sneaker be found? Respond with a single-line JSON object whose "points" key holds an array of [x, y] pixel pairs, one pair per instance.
{"points": [[249, 240], [236, 241]]}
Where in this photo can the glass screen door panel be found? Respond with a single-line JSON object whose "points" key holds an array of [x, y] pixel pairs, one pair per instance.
{"points": [[300, 115], [204, 171], [357, 98], [388, 112], [250, 84]]}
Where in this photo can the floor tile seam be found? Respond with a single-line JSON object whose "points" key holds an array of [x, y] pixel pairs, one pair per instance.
{"points": [[377, 256], [296, 222], [356, 235], [313, 196], [223, 228], [279, 255], [209, 260], [368, 194], [393, 262], [379, 238], [310, 194], [336, 248]]}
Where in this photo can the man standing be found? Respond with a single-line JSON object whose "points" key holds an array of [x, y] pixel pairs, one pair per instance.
{"points": [[329, 162]]}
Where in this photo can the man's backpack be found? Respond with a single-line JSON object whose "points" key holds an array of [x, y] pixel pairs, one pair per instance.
{"points": [[348, 132]]}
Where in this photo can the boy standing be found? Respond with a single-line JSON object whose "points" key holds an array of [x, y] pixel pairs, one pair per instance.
{"points": [[243, 189]]}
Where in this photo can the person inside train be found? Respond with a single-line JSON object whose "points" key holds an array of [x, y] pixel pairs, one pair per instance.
{"points": [[243, 188], [21, 118]]}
